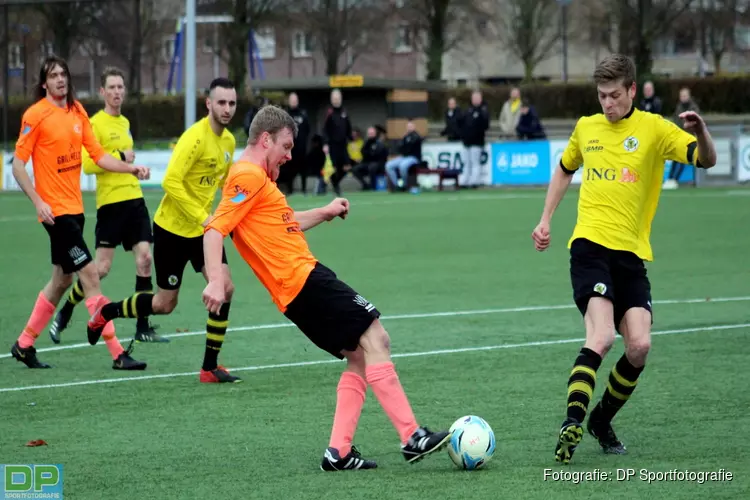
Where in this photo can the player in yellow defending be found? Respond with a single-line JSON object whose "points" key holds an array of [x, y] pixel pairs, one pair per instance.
{"points": [[122, 217], [196, 171], [622, 151]]}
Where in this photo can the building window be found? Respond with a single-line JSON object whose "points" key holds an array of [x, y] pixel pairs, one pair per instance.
{"points": [[15, 61], [301, 44], [101, 49], [403, 39], [742, 37], [265, 39]]}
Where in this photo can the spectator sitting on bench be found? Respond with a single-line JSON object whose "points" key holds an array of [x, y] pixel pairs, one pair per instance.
{"points": [[529, 127], [411, 154], [374, 156]]}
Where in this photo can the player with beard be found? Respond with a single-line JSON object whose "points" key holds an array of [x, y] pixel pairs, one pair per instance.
{"points": [[196, 171], [53, 133]]}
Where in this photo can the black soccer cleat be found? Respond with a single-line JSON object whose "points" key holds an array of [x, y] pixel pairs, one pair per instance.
{"points": [[27, 356], [332, 462], [59, 324], [149, 335], [125, 362], [570, 435], [423, 442], [602, 430]]}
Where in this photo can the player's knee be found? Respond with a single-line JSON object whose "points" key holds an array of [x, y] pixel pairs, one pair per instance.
{"points": [[600, 338], [637, 350], [143, 262], [355, 361], [376, 339], [103, 267], [164, 304], [62, 282]]}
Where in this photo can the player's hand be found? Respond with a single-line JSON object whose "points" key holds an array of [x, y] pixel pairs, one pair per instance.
{"points": [[692, 122], [143, 173], [129, 155], [213, 296], [540, 235], [337, 208], [44, 212]]}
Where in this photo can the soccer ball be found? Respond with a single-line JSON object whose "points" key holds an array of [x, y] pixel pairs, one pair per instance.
{"points": [[472, 442]]}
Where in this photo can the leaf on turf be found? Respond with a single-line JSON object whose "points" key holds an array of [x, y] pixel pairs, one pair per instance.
{"points": [[36, 442]]}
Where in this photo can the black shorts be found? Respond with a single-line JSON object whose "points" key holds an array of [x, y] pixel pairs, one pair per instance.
{"points": [[123, 223], [620, 276], [67, 246], [330, 313], [172, 253]]}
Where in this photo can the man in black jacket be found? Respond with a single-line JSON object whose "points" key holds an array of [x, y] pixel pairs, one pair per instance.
{"points": [[474, 126], [374, 156], [452, 130], [650, 102], [296, 166], [337, 132], [411, 154]]}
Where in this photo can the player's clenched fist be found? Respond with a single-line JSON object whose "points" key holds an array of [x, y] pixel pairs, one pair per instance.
{"points": [[214, 296], [540, 235], [337, 208]]}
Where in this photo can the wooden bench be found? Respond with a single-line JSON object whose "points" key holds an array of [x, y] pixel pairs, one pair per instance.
{"points": [[443, 173]]}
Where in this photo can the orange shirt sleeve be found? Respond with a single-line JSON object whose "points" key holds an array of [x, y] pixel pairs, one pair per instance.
{"points": [[30, 125], [94, 149], [241, 192]]}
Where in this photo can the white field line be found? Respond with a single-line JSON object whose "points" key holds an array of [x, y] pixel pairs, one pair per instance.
{"points": [[330, 361]]}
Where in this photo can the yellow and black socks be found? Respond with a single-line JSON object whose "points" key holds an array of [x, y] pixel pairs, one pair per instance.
{"points": [[74, 297], [143, 284], [216, 328], [581, 383], [137, 306], [622, 381]]}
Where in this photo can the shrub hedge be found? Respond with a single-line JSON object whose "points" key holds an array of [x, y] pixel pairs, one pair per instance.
{"points": [[162, 117], [720, 95]]}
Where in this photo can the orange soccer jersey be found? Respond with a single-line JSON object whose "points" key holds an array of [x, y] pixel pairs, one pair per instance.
{"points": [[52, 137], [264, 230]]}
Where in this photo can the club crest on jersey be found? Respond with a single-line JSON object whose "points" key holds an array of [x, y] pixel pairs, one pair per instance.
{"points": [[77, 128], [630, 144]]}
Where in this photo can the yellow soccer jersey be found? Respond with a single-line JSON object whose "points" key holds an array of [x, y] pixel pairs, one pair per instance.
{"points": [[623, 173], [113, 133], [196, 170]]}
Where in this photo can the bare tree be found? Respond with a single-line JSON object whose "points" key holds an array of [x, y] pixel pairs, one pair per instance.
{"points": [[718, 19], [247, 15], [441, 25], [635, 24], [69, 23], [530, 28], [341, 29]]}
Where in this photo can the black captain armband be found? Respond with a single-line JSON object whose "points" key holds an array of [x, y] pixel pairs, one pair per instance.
{"points": [[568, 172], [122, 155], [698, 165]]}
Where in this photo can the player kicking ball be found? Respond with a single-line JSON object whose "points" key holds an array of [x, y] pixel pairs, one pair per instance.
{"points": [[270, 237], [622, 151]]}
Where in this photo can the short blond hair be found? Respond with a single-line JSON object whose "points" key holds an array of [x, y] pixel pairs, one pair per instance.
{"points": [[271, 119]]}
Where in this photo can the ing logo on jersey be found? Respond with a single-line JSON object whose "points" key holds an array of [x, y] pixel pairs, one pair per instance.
{"points": [[631, 144]]}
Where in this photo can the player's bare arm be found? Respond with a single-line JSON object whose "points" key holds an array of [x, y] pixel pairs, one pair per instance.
{"points": [[694, 123], [43, 210], [558, 186], [109, 162], [213, 295], [311, 218]]}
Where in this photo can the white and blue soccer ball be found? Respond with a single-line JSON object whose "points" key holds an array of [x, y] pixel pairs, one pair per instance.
{"points": [[472, 442]]}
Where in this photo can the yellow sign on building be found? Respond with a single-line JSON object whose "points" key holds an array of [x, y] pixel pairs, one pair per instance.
{"points": [[346, 80]]}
